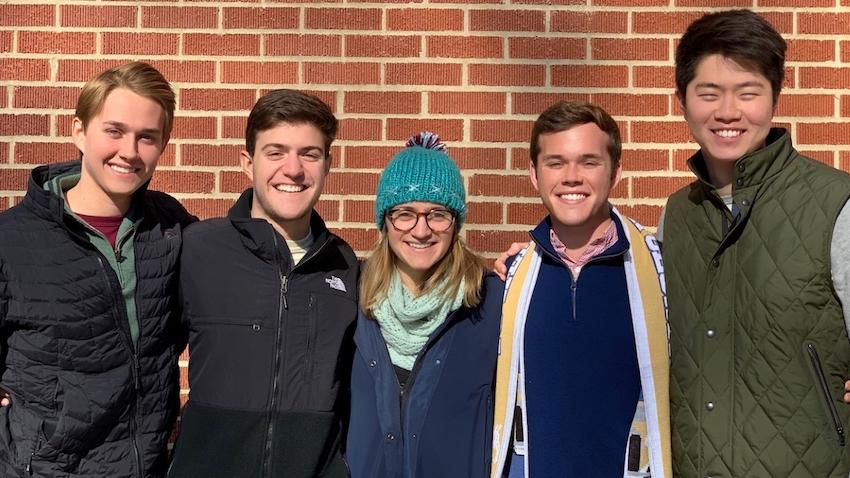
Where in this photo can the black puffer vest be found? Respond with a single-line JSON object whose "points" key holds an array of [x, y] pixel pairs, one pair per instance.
{"points": [[86, 402]]}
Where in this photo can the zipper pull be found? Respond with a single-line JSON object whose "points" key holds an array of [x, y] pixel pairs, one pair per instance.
{"points": [[283, 286], [118, 256]]}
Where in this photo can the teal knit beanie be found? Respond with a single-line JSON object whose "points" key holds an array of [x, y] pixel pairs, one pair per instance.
{"points": [[422, 171]]}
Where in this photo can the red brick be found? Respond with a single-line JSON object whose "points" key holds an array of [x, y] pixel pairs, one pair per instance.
{"points": [[632, 105], [97, 16], [140, 43], [713, 3], [783, 22], [4, 152], [654, 77], [663, 22], [383, 102], [423, 74], [595, 76], [645, 159], [27, 15], [823, 133], [45, 97], [359, 211], [233, 127], [644, 214], [221, 45], [805, 105], [825, 157], [845, 51], [339, 182], [43, 153], [20, 69], [630, 3], [382, 46], [180, 17], [658, 187], [526, 213], [63, 125], [494, 241], [215, 99], [507, 20], [548, 48], [50, 42], [24, 125], [466, 102], [590, 22], [210, 155], [845, 106], [266, 72], [404, 128], [171, 181], [4, 96], [194, 127], [359, 239], [233, 181], [13, 179], [354, 73], [484, 213], [342, 18], [629, 49], [425, 19], [186, 71], [512, 131], [823, 77], [464, 47], [507, 75], [303, 45], [270, 18], [536, 103], [796, 3], [328, 209], [844, 161], [501, 185], [479, 158], [660, 132], [368, 156], [6, 41], [169, 156], [823, 23], [811, 50], [465, 2], [360, 130]]}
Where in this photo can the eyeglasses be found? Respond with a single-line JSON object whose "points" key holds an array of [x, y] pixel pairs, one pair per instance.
{"points": [[438, 220]]}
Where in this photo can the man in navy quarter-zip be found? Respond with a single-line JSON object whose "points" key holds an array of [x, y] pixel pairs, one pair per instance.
{"points": [[581, 385], [269, 296]]}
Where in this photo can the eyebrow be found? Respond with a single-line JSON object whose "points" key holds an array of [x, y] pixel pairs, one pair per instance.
{"points": [[123, 126], [283, 146], [746, 84]]}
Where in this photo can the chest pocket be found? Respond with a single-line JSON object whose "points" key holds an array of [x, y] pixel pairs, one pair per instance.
{"points": [[329, 342]]}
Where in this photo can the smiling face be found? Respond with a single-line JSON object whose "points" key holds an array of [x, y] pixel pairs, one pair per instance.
{"points": [[574, 177], [288, 171], [729, 111], [419, 249], [121, 146]]}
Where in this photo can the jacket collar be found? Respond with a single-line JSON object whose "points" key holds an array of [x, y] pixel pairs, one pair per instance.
{"points": [[263, 240], [753, 168], [540, 235]]}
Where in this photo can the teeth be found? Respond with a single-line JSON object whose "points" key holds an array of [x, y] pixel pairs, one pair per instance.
{"points": [[289, 188], [573, 196], [121, 169], [728, 133], [419, 246]]}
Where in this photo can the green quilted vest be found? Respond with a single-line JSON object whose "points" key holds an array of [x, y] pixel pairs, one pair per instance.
{"points": [[759, 346]]}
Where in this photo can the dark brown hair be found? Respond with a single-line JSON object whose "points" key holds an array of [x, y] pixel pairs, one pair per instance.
{"points": [[567, 114], [739, 35], [290, 106]]}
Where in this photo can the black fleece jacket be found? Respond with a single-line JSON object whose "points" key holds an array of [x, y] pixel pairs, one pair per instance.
{"points": [[270, 350]]}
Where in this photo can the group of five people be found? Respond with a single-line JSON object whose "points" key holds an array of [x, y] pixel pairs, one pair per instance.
{"points": [[420, 362]]}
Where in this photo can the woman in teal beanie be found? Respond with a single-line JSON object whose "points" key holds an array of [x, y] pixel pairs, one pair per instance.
{"points": [[427, 334]]}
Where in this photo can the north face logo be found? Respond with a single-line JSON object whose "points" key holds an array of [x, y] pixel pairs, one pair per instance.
{"points": [[335, 283]]}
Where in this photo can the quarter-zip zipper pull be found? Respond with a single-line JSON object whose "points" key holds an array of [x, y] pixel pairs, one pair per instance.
{"points": [[118, 256], [284, 281]]}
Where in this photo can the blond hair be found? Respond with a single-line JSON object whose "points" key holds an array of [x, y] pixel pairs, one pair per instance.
{"points": [[459, 265], [138, 77]]}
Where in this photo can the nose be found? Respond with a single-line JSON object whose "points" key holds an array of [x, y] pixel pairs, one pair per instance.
{"points": [[571, 174], [291, 166], [129, 148], [420, 229], [727, 109]]}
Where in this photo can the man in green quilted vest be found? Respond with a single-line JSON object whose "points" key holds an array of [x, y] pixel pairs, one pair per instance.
{"points": [[757, 261]]}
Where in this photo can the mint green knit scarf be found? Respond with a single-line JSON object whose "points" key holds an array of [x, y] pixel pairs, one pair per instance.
{"points": [[407, 321]]}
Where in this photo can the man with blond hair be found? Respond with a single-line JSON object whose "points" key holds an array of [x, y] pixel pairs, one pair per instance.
{"points": [[88, 294]]}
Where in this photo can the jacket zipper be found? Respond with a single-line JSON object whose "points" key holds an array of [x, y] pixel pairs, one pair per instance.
{"points": [[824, 388], [135, 370], [282, 307], [311, 329], [32, 453]]}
